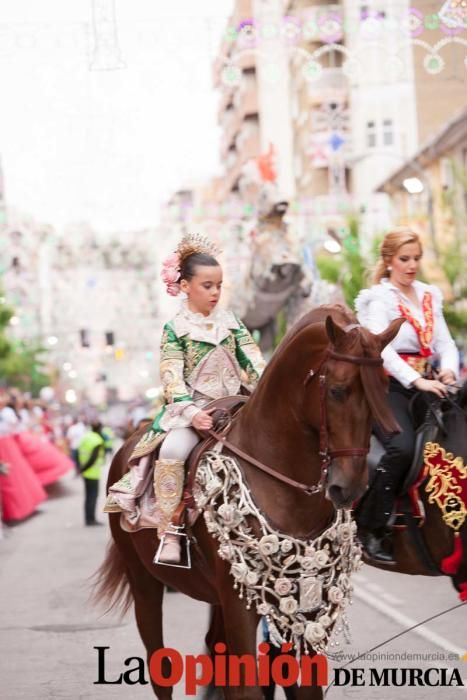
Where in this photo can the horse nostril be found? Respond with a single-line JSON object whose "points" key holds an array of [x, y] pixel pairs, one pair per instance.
{"points": [[337, 496], [343, 497]]}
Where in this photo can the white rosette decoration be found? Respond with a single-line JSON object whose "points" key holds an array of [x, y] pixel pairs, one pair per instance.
{"points": [[301, 587]]}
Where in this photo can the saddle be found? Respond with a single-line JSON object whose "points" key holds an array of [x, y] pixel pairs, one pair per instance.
{"points": [[430, 425]]}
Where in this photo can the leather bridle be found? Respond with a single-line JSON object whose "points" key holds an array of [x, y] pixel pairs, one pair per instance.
{"points": [[326, 455]]}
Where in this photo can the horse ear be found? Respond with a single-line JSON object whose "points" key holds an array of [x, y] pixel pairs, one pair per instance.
{"points": [[336, 333], [390, 333]]}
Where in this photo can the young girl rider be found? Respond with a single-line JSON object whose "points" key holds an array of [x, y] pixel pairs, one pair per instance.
{"points": [[206, 354], [396, 293]]}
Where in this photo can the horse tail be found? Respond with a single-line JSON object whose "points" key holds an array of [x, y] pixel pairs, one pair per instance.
{"points": [[111, 582]]}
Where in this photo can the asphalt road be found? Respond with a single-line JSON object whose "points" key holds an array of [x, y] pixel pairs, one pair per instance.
{"points": [[48, 629]]}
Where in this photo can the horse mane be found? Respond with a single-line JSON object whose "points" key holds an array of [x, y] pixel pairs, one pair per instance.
{"points": [[374, 380], [375, 385], [343, 313]]}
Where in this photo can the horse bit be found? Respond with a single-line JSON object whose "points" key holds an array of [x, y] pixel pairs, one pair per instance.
{"points": [[326, 455]]}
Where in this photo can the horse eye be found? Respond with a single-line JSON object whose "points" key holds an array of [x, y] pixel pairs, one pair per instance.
{"points": [[339, 393]]}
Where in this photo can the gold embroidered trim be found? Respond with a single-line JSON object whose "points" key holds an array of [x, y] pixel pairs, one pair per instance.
{"points": [[169, 475], [111, 505], [147, 444], [444, 487]]}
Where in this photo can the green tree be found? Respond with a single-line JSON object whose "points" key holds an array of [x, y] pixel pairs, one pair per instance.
{"points": [[349, 269], [21, 362], [452, 255], [23, 367], [5, 315]]}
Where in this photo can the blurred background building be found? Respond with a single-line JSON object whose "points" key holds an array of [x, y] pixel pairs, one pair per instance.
{"points": [[355, 115]]}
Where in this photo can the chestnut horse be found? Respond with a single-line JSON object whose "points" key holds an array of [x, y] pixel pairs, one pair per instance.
{"points": [[421, 548], [280, 426]]}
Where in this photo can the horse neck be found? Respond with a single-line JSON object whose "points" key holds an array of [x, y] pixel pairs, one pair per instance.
{"points": [[270, 428]]}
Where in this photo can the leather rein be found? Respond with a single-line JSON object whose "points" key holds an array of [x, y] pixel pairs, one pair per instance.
{"points": [[325, 454]]}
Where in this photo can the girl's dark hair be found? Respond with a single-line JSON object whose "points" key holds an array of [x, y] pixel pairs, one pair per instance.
{"points": [[191, 262]]}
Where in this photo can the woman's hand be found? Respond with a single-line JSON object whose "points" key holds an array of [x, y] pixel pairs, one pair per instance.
{"points": [[432, 385], [446, 376], [202, 421]]}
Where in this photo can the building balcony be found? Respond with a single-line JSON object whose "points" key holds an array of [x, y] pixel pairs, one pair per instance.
{"points": [[246, 105], [226, 99], [249, 147]]}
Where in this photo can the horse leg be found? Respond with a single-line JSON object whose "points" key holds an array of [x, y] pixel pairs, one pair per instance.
{"points": [[308, 693], [240, 627], [215, 633], [240, 630], [148, 594]]}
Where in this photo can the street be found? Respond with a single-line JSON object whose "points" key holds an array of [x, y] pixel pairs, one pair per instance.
{"points": [[49, 629]]}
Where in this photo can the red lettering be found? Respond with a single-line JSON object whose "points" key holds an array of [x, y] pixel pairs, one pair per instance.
{"points": [[242, 671], [220, 665], [263, 664], [278, 666], [173, 663], [313, 670], [192, 680]]}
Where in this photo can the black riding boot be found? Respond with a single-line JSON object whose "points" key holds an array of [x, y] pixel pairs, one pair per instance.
{"points": [[372, 515], [378, 545]]}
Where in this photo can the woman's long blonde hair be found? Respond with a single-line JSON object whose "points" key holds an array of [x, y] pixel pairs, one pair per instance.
{"points": [[392, 241]]}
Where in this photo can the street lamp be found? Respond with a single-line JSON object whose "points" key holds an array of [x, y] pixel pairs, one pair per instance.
{"points": [[70, 396], [413, 185], [332, 246]]}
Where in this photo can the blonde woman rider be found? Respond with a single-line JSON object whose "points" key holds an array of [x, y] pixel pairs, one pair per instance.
{"points": [[407, 360]]}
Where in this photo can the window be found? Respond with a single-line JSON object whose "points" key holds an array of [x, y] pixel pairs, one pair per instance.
{"points": [[371, 134], [388, 132]]}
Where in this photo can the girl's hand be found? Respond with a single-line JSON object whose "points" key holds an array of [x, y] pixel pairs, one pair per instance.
{"points": [[446, 376], [432, 385], [202, 421]]}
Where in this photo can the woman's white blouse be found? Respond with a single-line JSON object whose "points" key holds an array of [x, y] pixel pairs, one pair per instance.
{"points": [[378, 306]]}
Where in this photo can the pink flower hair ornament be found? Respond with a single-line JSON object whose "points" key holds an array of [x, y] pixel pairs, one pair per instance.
{"points": [[171, 274]]}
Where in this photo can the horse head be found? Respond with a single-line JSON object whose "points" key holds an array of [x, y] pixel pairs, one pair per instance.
{"points": [[348, 394]]}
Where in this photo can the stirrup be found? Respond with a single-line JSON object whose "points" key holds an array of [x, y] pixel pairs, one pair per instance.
{"points": [[176, 530]]}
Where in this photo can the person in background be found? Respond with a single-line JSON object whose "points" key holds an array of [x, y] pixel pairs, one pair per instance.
{"points": [[109, 439], [91, 457], [20, 489], [74, 435]]}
